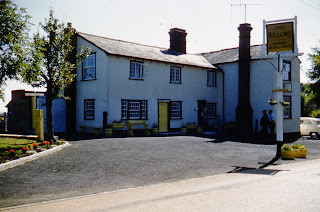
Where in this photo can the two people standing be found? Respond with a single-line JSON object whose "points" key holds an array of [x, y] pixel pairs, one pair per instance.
{"points": [[267, 121]]}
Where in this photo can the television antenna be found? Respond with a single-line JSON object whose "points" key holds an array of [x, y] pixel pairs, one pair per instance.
{"points": [[245, 9]]}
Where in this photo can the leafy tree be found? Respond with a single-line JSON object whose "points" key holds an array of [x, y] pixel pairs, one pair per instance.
{"points": [[53, 62], [14, 26]]}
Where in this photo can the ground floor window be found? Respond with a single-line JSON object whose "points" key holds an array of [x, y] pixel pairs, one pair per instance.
{"points": [[89, 109], [134, 109], [211, 110], [175, 110], [287, 109]]}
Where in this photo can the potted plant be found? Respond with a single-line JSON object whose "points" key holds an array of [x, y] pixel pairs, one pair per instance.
{"points": [[272, 101], [199, 130], [284, 103], [301, 152], [155, 129], [183, 129], [117, 124], [287, 152]]}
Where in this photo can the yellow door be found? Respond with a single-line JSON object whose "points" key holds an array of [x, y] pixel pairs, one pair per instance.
{"points": [[163, 116]]}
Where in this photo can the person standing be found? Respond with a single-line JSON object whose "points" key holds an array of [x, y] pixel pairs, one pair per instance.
{"points": [[272, 124], [264, 122]]}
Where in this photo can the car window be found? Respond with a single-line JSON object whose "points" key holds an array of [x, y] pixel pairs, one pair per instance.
{"points": [[317, 122]]}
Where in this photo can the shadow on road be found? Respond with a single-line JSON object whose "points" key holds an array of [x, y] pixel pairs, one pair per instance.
{"points": [[248, 170]]}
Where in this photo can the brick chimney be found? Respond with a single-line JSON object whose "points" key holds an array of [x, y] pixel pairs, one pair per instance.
{"points": [[244, 109], [178, 40]]}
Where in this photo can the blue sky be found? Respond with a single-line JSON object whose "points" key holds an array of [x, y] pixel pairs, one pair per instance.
{"points": [[211, 24]]}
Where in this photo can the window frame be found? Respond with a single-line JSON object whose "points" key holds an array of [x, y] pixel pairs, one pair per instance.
{"points": [[141, 71], [214, 112], [179, 111], [90, 67], [213, 79], [125, 109], [285, 63], [289, 107], [177, 72], [85, 110]]}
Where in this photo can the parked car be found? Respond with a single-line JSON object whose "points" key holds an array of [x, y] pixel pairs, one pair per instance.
{"points": [[310, 126]]}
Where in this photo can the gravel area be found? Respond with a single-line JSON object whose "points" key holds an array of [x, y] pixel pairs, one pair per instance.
{"points": [[109, 164]]}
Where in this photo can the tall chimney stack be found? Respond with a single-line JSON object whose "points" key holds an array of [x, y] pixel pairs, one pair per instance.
{"points": [[178, 40], [244, 109]]}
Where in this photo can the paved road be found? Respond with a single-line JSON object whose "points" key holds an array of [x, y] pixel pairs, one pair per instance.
{"points": [[290, 187], [102, 165]]}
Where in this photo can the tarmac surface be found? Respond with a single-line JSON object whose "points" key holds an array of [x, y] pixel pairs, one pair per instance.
{"points": [[113, 164]]}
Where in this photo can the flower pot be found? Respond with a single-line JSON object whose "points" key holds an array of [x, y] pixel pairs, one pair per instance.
{"points": [[155, 130], [288, 154], [272, 102], [183, 130], [301, 153]]}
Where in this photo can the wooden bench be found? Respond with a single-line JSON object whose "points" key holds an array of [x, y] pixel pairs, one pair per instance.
{"points": [[95, 129], [137, 124]]}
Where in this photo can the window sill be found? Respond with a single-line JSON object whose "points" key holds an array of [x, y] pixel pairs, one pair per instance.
{"points": [[175, 82], [88, 79], [135, 79]]}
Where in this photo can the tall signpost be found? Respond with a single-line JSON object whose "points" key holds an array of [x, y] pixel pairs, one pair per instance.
{"points": [[281, 36]]}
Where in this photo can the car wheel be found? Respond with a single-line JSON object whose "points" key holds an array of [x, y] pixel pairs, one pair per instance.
{"points": [[314, 135]]}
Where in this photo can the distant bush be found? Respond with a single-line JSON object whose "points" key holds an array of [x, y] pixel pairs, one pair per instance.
{"points": [[315, 113]]}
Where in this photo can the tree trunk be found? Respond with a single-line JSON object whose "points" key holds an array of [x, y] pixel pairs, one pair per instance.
{"points": [[49, 124]]}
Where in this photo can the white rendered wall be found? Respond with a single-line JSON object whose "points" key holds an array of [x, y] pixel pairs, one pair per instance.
{"points": [[262, 81], [112, 84], [156, 86], [92, 89]]}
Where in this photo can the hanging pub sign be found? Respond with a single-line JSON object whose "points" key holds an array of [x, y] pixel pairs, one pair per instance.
{"points": [[280, 37]]}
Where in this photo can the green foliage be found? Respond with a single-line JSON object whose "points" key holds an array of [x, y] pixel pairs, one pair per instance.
{"points": [[52, 64], [308, 100], [315, 113], [13, 41]]}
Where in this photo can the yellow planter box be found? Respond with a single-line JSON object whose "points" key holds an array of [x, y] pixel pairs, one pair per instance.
{"points": [[288, 154], [301, 153], [155, 130], [117, 125], [108, 132]]}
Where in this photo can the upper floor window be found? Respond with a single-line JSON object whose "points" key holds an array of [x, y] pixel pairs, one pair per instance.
{"points": [[89, 109], [89, 67], [176, 110], [286, 72], [136, 70], [211, 78], [175, 74]]}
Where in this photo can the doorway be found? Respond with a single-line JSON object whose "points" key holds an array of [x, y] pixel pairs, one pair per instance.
{"points": [[163, 116]]}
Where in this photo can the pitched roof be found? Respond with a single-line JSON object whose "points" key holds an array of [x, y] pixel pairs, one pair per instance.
{"points": [[129, 49], [231, 55]]}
